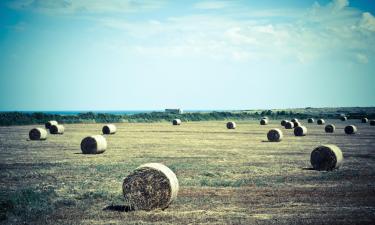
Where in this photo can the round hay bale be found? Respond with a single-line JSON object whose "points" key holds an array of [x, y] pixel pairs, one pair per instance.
{"points": [[289, 125], [57, 129], [109, 129], [310, 120], [343, 118], [50, 123], [263, 122], [37, 134], [351, 129], [264, 118], [275, 135], [330, 128], [326, 157], [95, 144], [231, 125], [372, 122], [320, 122], [283, 122], [297, 124], [150, 186], [294, 120], [176, 122], [364, 120], [300, 131]]}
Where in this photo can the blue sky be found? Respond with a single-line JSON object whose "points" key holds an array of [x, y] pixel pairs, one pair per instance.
{"points": [[123, 55]]}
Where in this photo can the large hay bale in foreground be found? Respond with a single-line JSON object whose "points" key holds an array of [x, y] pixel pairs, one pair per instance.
{"points": [[283, 122], [231, 125], [275, 135], [95, 144], [50, 123], [263, 122], [330, 128], [297, 124], [38, 134], [372, 122], [320, 122], [343, 118], [176, 122], [289, 125], [57, 129], [326, 157], [150, 186], [109, 129], [294, 120], [351, 129], [310, 120], [364, 120], [300, 131]]}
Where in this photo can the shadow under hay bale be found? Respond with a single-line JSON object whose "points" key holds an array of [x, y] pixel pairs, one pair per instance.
{"points": [[95, 144], [150, 186], [50, 123], [118, 208], [231, 125], [326, 157], [300, 131], [310, 120], [57, 129], [37, 134], [364, 120], [176, 122], [330, 128], [275, 135], [263, 122], [320, 122], [289, 125], [109, 129], [351, 129], [283, 122]]}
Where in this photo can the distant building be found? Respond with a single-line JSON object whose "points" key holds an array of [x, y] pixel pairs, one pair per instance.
{"points": [[175, 111]]}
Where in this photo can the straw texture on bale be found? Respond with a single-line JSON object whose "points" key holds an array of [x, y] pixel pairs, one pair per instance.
{"points": [[95, 144], [310, 120], [57, 129], [364, 120], [109, 129], [297, 124], [283, 122], [38, 134], [300, 131], [231, 125], [263, 122], [326, 157], [275, 135], [330, 128], [50, 123], [289, 125], [150, 186], [372, 122], [320, 122], [343, 118], [351, 129], [176, 122], [294, 120]]}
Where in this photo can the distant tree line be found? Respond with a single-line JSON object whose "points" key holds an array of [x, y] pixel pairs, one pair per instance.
{"points": [[22, 118]]}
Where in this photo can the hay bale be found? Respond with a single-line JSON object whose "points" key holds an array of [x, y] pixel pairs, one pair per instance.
{"points": [[294, 120], [231, 125], [364, 120], [95, 144], [310, 120], [320, 122], [297, 124], [372, 122], [330, 128], [275, 135], [264, 118], [37, 134], [263, 122], [150, 186], [176, 122], [300, 131], [343, 118], [289, 125], [50, 123], [326, 157], [57, 129], [351, 129], [109, 129], [283, 122]]}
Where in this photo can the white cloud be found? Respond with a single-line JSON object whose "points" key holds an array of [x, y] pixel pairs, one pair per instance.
{"points": [[339, 4], [211, 5], [367, 22], [362, 58]]}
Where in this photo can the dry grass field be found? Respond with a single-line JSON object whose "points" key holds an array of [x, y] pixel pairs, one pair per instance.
{"points": [[226, 176]]}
